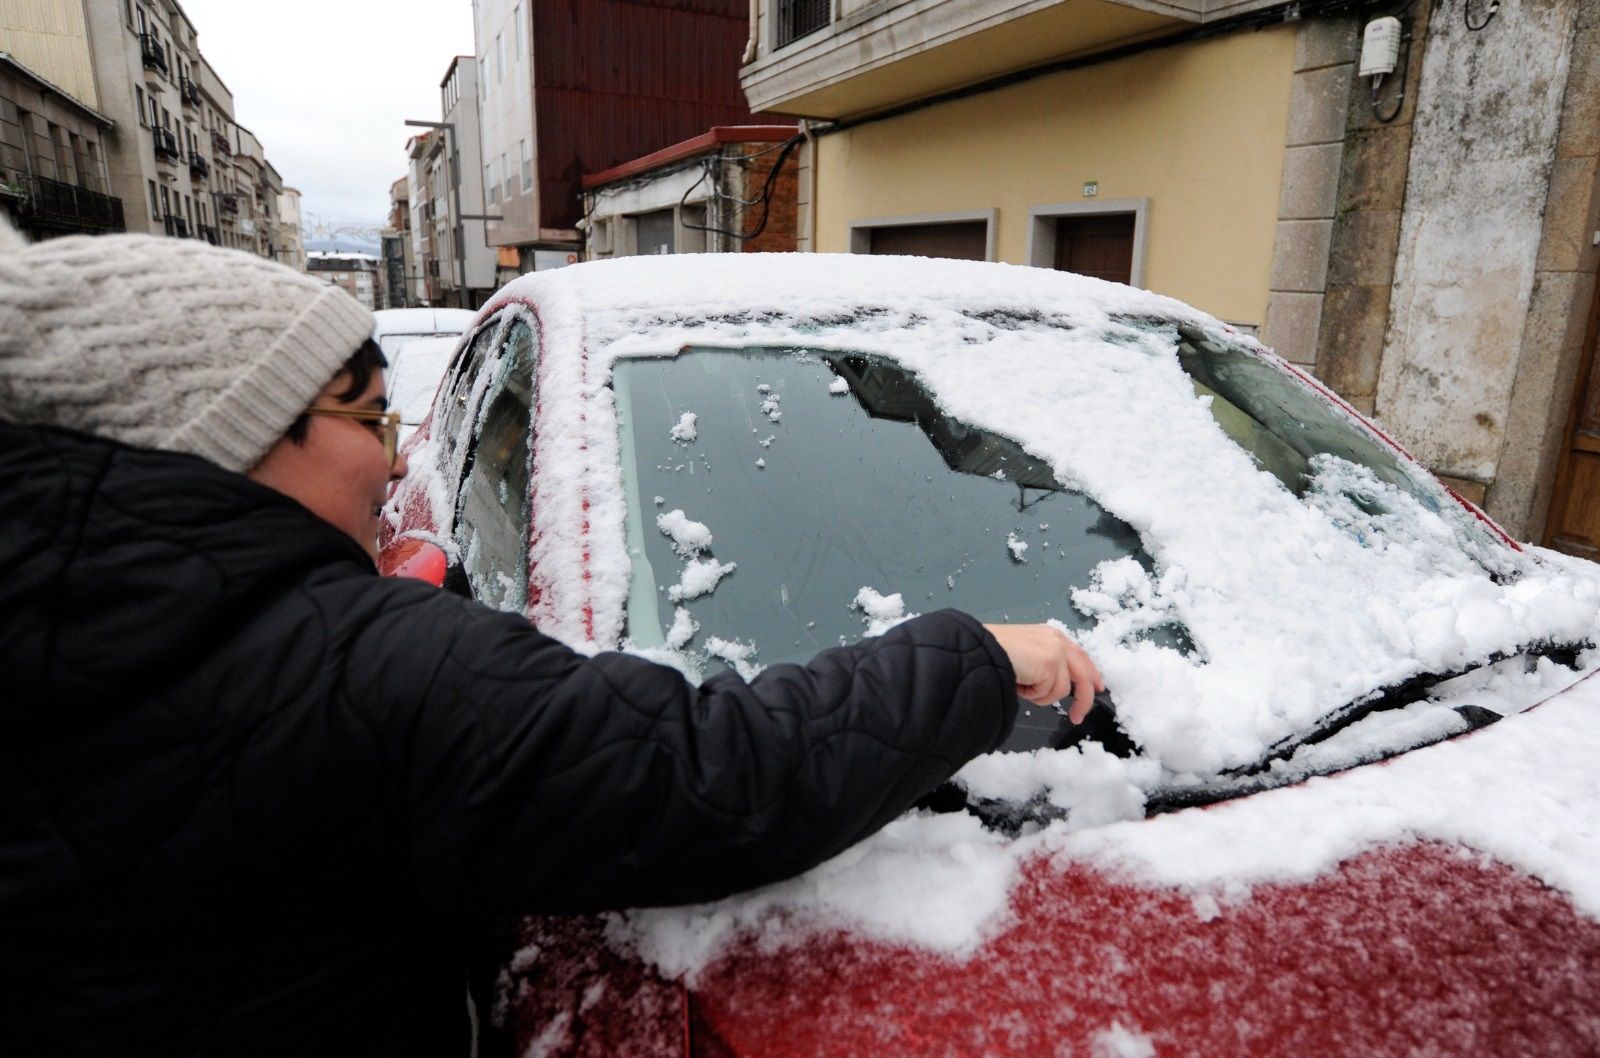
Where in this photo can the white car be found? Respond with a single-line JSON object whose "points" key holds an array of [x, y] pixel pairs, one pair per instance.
{"points": [[418, 344], [1341, 797]]}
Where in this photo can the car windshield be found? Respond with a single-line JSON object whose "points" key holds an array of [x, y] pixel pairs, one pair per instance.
{"points": [[829, 483], [415, 368]]}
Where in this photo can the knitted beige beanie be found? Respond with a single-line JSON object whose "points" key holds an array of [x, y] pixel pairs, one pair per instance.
{"points": [[166, 343]]}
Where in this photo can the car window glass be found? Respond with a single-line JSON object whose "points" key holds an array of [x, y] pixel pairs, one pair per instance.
{"points": [[841, 474], [462, 387], [1325, 457], [492, 526]]}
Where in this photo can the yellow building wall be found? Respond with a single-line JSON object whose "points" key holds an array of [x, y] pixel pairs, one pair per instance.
{"points": [[51, 38], [1198, 129]]}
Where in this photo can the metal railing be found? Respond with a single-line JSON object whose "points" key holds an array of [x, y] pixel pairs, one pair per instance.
{"points": [[228, 203], [177, 227], [198, 165], [150, 50], [220, 142], [166, 143], [53, 205], [208, 233]]}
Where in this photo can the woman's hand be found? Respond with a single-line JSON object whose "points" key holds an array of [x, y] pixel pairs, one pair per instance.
{"points": [[1049, 665]]}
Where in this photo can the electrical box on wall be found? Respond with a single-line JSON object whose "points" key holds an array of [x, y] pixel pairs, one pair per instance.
{"points": [[1380, 47]]}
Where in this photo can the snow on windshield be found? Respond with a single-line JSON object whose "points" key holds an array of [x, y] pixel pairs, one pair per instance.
{"points": [[1296, 605]]}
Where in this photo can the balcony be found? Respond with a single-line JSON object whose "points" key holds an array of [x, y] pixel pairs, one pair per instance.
{"points": [[189, 92], [166, 145], [177, 227], [209, 234], [50, 205], [874, 56], [199, 168], [155, 57], [228, 203], [220, 144]]}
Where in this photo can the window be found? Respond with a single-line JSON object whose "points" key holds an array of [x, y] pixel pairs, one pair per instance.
{"points": [[155, 201], [654, 232], [510, 174], [800, 18], [138, 96], [527, 166], [491, 184], [493, 514], [516, 19], [499, 56]]}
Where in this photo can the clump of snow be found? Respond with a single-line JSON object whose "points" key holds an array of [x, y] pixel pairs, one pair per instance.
{"points": [[770, 404], [742, 656], [761, 464], [686, 430], [1017, 546], [1206, 908], [881, 612], [700, 577], [683, 629], [839, 387], [688, 537], [1120, 1042]]}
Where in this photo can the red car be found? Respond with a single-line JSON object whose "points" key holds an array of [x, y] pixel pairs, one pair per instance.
{"points": [[1341, 796]]}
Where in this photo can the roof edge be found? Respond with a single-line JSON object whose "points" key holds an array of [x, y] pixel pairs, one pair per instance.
{"points": [[714, 137]]}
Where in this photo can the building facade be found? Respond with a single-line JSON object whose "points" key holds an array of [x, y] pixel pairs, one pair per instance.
{"points": [[395, 240], [357, 274], [569, 87], [466, 262], [53, 177], [291, 246], [1430, 256], [729, 190], [170, 149]]}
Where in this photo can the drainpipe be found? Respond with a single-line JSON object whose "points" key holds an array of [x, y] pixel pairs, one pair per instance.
{"points": [[807, 130], [750, 45]]}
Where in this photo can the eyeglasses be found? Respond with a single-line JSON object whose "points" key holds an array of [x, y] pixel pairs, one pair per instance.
{"points": [[386, 425]]}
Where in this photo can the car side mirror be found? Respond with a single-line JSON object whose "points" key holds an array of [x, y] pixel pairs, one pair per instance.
{"points": [[418, 559]]}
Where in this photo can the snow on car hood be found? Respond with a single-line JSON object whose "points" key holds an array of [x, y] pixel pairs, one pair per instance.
{"points": [[1293, 613]]}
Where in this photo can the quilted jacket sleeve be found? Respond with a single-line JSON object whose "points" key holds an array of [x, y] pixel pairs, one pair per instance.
{"points": [[536, 779]]}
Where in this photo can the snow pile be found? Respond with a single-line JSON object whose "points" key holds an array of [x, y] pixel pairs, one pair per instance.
{"points": [[688, 537], [685, 429], [700, 577], [881, 612]]}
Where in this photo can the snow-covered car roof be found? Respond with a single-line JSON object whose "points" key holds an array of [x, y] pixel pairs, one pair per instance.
{"points": [[422, 321], [1296, 605]]}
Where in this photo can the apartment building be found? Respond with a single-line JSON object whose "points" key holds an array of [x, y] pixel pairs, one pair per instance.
{"points": [[463, 268], [357, 274], [569, 87], [53, 178], [395, 241], [291, 246], [169, 146], [1428, 254]]}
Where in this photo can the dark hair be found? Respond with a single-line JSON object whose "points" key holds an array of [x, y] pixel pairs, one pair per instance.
{"points": [[362, 363]]}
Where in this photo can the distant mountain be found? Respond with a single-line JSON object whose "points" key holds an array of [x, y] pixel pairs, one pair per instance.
{"points": [[344, 246]]}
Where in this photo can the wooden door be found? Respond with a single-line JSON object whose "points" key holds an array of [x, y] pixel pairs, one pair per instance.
{"points": [[1099, 245], [1574, 525]]}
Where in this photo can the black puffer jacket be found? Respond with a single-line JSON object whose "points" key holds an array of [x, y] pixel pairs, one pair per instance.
{"points": [[252, 794]]}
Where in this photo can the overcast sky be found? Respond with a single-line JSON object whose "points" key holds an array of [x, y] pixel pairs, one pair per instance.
{"points": [[327, 85]]}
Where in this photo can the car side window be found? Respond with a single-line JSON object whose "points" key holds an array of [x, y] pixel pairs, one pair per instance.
{"points": [[493, 512], [453, 414]]}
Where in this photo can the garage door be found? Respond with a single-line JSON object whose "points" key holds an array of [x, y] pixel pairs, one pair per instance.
{"points": [[966, 240]]}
